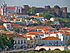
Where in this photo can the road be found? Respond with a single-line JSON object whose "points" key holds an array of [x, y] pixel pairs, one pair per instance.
{"points": [[18, 50]]}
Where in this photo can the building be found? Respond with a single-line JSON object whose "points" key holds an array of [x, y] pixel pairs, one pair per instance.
{"points": [[64, 12], [25, 9], [7, 26], [38, 10], [20, 42], [51, 41], [14, 10], [3, 9]]}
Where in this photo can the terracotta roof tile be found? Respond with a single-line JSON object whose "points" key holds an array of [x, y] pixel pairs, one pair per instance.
{"points": [[11, 8], [51, 38], [17, 25]]}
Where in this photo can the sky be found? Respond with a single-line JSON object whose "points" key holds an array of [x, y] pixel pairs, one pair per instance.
{"points": [[39, 3]]}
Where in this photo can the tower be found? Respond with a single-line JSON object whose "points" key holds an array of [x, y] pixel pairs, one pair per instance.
{"points": [[64, 12], [3, 9]]}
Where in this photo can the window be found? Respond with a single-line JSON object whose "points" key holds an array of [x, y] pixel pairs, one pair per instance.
{"points": [[21, 41], [36, 36], [25, 41], [18, 41], [15, 41]]}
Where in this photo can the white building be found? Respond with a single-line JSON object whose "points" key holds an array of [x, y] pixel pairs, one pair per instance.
{"points": [[3, 9], [19, 42], [7, 26], [51, 41]]}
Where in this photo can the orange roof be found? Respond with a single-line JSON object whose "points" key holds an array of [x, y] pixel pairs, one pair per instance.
{"points": [[37, 17], [53, 32], [65, 29], [47, 33], [51, 38], [34, 19], [68, 35], [46, 30], [11, 15], [11, 8], [18, 37], [63, 32], [40, 27], [1, 15], [5, 20], [1, 26], [27, 37], [34, 33], [17, 25]]}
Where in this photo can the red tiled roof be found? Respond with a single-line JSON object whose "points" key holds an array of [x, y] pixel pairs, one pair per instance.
{"points": [[46, 30], [37, 17], [11, 8], [65, 29], [1, 15], [34, 33], [1, 26], [40, 27], [27, 37], [17, 25], [51, 38], [68, 35]]}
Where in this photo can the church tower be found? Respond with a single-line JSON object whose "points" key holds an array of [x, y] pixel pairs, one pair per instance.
{"points": [[3, 9]]}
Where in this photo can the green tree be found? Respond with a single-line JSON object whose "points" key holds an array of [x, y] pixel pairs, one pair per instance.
{"points": [[23, 46], [47, 14], [6, 43], [66, 20], [48, 7], [68, 42], [56, 7], [32, 11], [3, 41], [29, 45], [11, 42]]}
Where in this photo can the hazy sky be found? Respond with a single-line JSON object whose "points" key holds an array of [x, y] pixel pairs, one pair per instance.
{"points": [[39, 3]]}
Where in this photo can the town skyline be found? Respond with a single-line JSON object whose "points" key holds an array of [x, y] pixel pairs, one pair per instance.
{"points": [[61, 3]]}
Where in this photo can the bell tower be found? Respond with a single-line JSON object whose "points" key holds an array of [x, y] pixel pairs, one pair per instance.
{"points": [[3, 9]]}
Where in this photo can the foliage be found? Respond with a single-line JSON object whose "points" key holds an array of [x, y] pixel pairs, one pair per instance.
{"points": [[6, 43], [66, 20], [11, 42], [32, 11], [56, 51], [29, 45], [56, 6], [52, 51], [47, 14], [17, 30], [68, 42], [48, 6]]}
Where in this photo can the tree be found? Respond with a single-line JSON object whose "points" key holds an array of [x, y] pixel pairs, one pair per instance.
{"points": [[56, 7], [29, 45], [3, 40], [23, 46], [68, 42], [5, 43], [32, 11], [17, 30], [11, 42], [47, 14], [48, 7], [66, 20]]}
